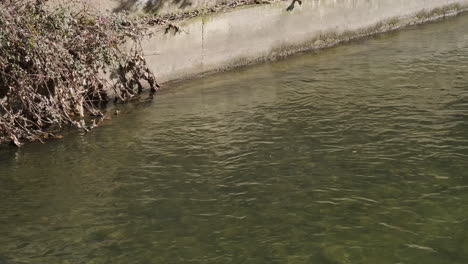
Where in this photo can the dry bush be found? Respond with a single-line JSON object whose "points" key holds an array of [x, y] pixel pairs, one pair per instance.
{"points": [[55, 66]]}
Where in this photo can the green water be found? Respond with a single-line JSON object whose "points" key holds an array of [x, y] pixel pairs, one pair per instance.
{"points": [[356, 154]]}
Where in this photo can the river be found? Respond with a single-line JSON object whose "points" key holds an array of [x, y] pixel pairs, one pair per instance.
{"points": [[354, 154]]}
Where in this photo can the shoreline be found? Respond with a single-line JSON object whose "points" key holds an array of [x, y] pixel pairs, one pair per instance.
{"points": [[314, 49], [254, 34], [317, 49]]}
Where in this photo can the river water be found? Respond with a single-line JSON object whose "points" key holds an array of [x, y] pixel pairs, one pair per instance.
{"points": [[355, 154]]}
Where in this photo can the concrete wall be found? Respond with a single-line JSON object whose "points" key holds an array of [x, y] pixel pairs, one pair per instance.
{"points": [[263, 32]]}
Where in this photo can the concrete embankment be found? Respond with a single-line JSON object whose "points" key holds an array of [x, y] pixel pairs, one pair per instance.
{"points": [[254, 33]]}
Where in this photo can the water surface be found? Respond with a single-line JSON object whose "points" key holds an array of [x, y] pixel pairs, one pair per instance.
{"points": [[356, 154]]}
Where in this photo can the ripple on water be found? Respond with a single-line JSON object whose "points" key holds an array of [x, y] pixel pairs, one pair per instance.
{"points": [[352, 155]]}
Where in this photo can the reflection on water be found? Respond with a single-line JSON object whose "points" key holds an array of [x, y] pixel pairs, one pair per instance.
{"points": [[357, 154]]}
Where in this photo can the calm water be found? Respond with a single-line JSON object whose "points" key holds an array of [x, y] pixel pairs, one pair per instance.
{"points": [[357, 154]]}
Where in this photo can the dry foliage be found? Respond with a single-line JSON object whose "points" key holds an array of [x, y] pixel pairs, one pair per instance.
{"points": [[55, 66]]}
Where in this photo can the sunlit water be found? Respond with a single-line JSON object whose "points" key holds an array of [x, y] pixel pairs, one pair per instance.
{"points": [[356, 154]]}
